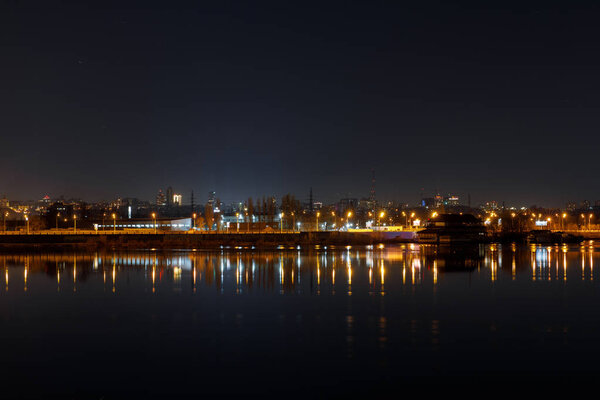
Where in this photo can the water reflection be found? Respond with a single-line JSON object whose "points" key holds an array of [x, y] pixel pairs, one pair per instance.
{"points": [[369, 312], [374, 271]]}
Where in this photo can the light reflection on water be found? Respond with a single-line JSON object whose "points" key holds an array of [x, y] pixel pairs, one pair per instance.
{"points": [[287, 271], [369, 312]]}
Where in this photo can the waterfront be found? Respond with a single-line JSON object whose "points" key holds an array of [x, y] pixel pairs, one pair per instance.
{"points": [[312, 320]]}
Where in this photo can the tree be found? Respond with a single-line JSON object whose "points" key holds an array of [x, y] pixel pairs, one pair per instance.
{"points": [[249, 212], [199, 222], [209, 215]]}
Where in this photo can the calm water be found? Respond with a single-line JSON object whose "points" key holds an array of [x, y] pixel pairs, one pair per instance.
{"points": [[318, 321]]}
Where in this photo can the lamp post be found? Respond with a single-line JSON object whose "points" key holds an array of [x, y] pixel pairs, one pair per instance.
{"points": [[194, 221], [237, 221], [562, 221], [154, 220], [348, 219], [74, 223], [57, 215], [103, 216], [318, 215], [5, 215], [293, 222], [248, 223], [27, 220], [582, 222], [114, 217], [589, 221], [280, 222], [381, 215]]}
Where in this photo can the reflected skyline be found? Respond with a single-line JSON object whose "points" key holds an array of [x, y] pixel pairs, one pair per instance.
{"points": [[375, 313], [362, 269]]}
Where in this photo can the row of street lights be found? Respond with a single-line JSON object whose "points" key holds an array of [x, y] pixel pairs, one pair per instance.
{"points": [[317, 216]]}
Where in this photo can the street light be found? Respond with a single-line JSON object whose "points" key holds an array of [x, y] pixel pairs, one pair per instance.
{"points": [[381, 215], [27, 220], [562, 221], [237, 221], [318, 215], [349, 215], [154, 219], [293, 221], [5, 215], [280, 222], [114, 217], [589, 220], [74, 223], [57, 215], [194, 221]]}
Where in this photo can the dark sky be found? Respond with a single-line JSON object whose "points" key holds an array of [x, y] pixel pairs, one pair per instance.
{"points": [[251, 98]]}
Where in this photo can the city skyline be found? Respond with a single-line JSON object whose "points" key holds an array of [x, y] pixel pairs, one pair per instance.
{"points": [[169, 197]]}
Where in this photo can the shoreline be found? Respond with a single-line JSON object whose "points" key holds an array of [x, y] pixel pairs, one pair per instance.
{"points": [[91, 240], [186, 240]]}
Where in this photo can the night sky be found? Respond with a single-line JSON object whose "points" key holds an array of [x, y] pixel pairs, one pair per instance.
{"points": [[251, 98]]}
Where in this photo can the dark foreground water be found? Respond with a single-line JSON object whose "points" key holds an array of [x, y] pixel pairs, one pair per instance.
{"points": [[316, 322]]}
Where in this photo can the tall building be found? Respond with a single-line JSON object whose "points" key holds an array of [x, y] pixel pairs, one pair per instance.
{"points": [[169, 196], [177, 199], [161, 199], [211, 198]]}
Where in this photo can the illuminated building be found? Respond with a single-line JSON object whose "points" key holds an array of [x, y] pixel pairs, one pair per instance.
{"points": [[164, 224], [177, 198], [451, 200], [161, 199], [212, 195]]}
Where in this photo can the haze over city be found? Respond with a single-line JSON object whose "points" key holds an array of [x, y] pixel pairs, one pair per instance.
{"points": [[107, 100]]}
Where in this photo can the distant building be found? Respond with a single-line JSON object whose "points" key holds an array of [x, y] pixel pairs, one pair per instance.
{"points": [[585, 205], [490, 206], [169, 196], [347, 204], [161, 199], [4, 202], [367, 204], [177, 199], [162, 224], [451, 200], [571, 206], [428, 202]]}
